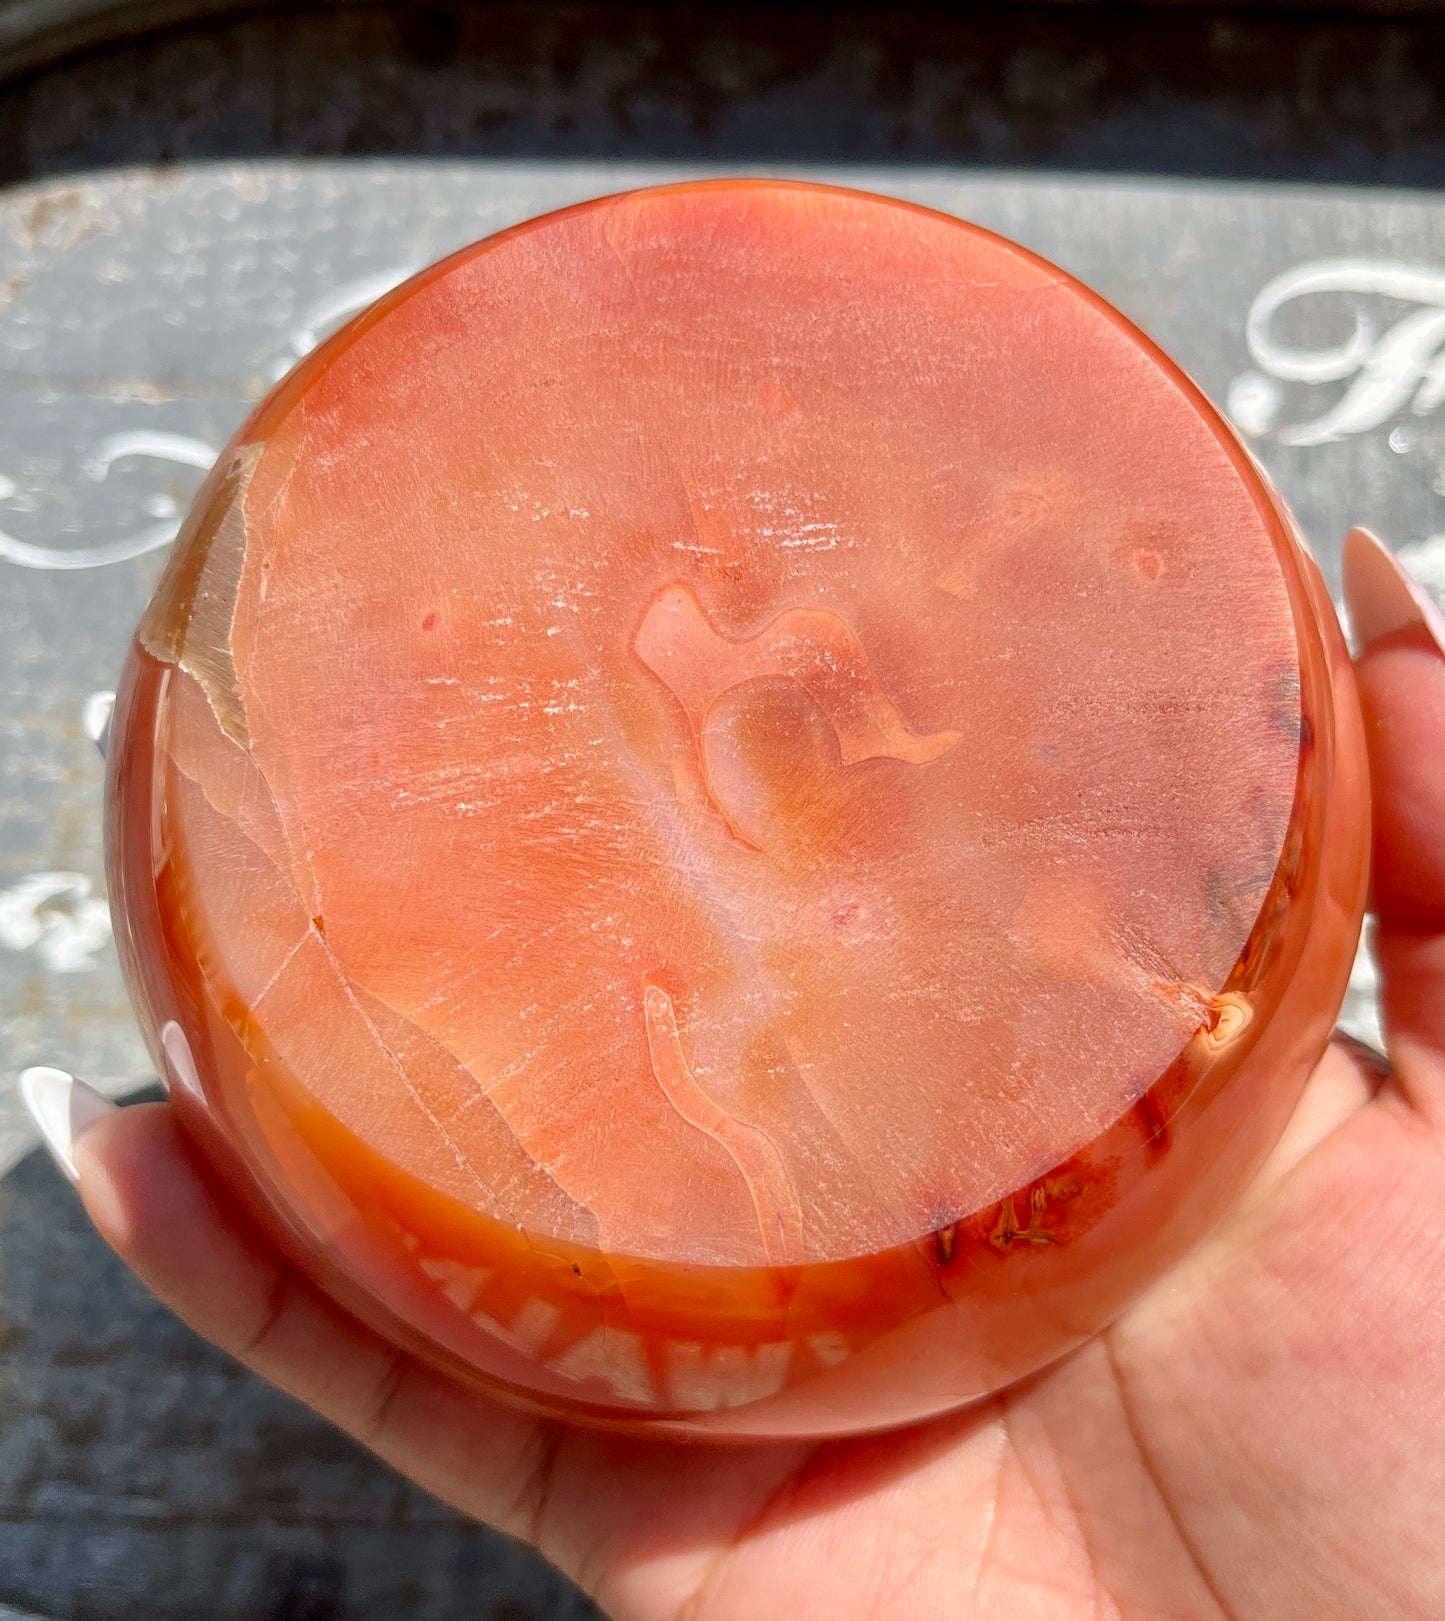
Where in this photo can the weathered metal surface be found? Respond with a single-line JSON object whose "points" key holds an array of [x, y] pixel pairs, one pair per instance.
{"points": [[1185, 88]]}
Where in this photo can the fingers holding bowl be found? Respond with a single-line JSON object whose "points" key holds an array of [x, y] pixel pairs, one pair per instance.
{"points": [[165, 1215]]}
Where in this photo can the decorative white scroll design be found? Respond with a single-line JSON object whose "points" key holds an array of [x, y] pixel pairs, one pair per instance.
{"points": [[55, 916], [178, 448], [1385, 365]]}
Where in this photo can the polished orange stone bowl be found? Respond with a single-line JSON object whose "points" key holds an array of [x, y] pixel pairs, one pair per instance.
{"points": [[739, 813]]}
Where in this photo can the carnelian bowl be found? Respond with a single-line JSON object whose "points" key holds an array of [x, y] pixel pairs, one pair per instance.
{"points": [[738, 813]]}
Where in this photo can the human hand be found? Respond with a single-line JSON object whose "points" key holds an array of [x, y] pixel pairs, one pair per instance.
{"points": [[1261, 1436]]}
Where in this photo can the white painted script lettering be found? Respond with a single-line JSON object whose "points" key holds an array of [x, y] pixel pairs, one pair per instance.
{"points": [[1392, 355]]}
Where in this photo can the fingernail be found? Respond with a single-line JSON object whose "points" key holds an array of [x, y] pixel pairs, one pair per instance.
{"points": [[62, 1107], [96, 718], [1381, 596]]}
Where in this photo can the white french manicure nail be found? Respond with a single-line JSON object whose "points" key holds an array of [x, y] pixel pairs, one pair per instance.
{"points": [[1381, 596], [96, 718], [61, 1107]]}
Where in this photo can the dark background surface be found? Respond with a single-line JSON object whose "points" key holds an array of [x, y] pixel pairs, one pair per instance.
{"points": [[1327, 94], [141, 1474]]}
